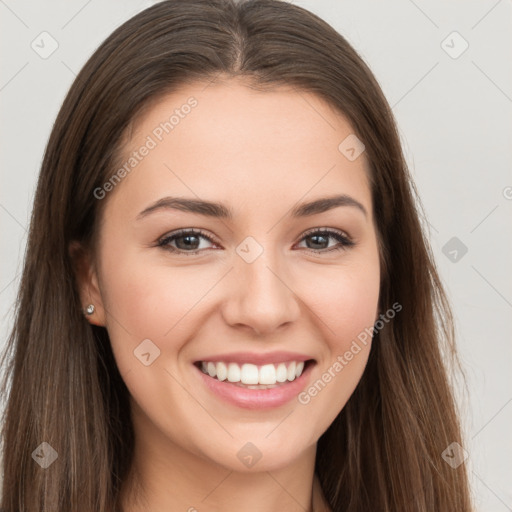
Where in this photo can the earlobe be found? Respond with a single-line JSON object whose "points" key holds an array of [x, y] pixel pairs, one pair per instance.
{"points": [[97, 314], [87, 284]]}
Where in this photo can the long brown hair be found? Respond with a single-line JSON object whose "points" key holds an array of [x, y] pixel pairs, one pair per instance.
{"points": [[384, 450]]}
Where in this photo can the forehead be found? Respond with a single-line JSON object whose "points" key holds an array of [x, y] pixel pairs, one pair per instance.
{"points": [[226, 139]]}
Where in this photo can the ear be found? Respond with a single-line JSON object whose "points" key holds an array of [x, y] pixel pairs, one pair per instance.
{"points": [[87, 281]]}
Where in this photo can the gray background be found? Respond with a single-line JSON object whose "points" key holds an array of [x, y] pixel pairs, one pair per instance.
{"points": [[454, 116]]}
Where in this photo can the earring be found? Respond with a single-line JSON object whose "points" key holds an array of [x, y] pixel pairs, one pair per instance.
{"points": [[89, 310]]}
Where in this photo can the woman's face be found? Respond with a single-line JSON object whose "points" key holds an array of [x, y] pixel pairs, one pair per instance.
{"points": [[255, 287]]}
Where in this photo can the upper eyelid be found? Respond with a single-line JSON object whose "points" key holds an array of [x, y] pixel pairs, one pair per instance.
{"points": [[326, 229]]}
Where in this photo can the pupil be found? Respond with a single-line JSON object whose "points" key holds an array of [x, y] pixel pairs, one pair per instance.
{"points": [[187, 244], [315, 237]]}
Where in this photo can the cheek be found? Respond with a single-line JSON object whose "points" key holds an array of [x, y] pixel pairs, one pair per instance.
{"points": [[346, 304], [345, 300], [149, 301], [352, 307], [148, 293]]}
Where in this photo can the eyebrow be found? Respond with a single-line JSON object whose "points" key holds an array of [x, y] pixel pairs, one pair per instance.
{"points": [[219, 210]]}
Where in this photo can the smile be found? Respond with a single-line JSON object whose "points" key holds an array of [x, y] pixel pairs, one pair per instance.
{"points": [[256, 387], [253, 376]]}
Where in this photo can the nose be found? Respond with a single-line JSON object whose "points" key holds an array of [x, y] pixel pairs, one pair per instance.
{"points": [[261, 296]]}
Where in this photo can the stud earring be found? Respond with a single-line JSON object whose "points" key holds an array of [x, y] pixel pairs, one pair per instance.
{"points": [[89, 310]]}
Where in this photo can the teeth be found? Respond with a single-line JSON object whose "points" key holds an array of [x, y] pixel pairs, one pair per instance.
{"points": [[267, 374], [281, 373], [234, 372], [250, 374], [255, 377], [222, 371], [291, 370], [212, 370]]}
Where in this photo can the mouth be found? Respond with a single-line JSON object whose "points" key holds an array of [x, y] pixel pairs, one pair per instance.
{"points": [[251, 376], [253, 386]]}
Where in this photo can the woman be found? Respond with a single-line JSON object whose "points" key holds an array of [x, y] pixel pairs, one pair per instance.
{"points": [[228, 301]]}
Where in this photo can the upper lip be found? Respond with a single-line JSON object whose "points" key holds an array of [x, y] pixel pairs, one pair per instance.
{"points": [[256, 358]]}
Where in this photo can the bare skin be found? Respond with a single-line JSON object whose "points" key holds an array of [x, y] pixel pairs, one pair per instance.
{"points": [[260, 154]]}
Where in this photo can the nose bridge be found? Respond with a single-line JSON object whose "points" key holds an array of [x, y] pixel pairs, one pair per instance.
{"points": [[261, 297]]}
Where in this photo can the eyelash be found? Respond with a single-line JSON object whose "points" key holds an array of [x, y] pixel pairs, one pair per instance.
{"points": [[344, 241]]}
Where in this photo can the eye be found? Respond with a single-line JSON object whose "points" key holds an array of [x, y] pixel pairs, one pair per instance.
{"points": [[185, 240], [188, 241], [321, 236]]}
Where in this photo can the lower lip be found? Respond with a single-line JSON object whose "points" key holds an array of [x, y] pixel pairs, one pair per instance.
{"points": [[257, 398]]}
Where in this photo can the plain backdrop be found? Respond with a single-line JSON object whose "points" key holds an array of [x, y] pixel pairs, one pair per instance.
{"points": [[445, 68]]}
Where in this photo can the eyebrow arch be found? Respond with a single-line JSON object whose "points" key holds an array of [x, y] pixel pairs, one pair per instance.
{"points": [[218, 210]]}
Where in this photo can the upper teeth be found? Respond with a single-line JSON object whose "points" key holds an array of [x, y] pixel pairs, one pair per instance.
{"points": [[252, 374]]}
